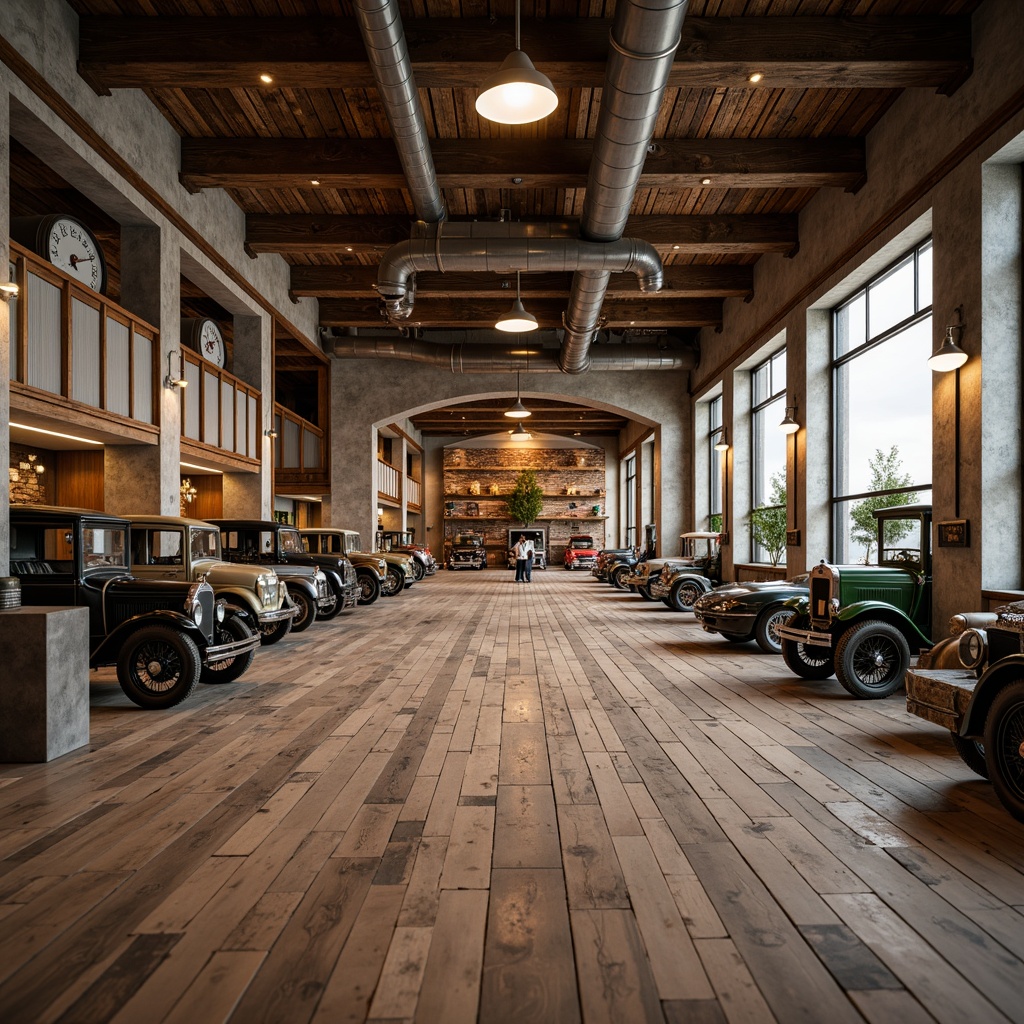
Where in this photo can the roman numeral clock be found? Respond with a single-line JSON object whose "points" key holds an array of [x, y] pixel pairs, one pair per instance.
{"points": [[204, 336], [67, 243]]}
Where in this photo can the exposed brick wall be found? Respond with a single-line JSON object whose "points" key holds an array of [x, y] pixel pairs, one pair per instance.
{"points": [[26, 485]]}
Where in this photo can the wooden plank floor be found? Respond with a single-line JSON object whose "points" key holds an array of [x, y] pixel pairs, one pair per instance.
{"points": [[483, 801]]}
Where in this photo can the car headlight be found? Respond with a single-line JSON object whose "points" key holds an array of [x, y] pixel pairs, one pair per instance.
{"points": [[972, 648], [197, 613], [222, 610]]}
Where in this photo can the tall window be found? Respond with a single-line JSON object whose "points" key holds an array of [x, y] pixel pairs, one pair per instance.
{"points": [[714, 464], [882, 395], [630, 516], [768, 407]]}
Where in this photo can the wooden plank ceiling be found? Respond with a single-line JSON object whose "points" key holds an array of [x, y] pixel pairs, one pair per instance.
{"points": [[309, 159]]}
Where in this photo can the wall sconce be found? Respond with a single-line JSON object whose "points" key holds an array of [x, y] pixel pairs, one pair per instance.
{"points": [[170, 381], [271, 433], [789, 425], [722, 444], [949, 355], [8, 290]]}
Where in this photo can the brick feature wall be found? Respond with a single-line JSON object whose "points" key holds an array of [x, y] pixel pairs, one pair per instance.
{"points": [[27, 485], [572, 479]]}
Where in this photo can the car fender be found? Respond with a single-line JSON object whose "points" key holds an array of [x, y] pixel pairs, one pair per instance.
{"points": [[241, 609], [110, 647], [301, 583], [238, 600], [800, 605], [993, 679], [702, 581], [853, 613]]}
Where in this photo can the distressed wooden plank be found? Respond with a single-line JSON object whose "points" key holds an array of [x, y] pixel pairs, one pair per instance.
{"points": [[419, 907], [401, 975], [524, 756], [467, 862], [217, 989], [618, 811], [260, 928], [593, 877], [525, 828]]}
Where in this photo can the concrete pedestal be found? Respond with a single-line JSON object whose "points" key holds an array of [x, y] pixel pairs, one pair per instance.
{"points": [[44, 682]]}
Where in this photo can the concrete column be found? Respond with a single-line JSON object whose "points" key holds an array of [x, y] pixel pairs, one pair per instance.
{"points": [[814, 459], [145, 478], [5, 326], [740, 461], [254, 363]]}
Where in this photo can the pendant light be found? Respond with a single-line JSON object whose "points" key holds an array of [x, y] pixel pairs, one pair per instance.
{"points": [[789, 425], [517, 93], [520, 433], [517, 411], [517, 320]]}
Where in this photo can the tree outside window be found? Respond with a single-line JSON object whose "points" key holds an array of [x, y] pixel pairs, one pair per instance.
{"points": [[768, 406]]}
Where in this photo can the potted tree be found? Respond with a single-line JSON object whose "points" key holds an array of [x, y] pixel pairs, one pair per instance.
{"points": [[526, 500]]}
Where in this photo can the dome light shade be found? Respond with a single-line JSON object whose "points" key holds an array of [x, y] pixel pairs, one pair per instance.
{"points": [[517, 93], [722, 444], [788, 424], [517, 320], [948, 356], [520, 433], [517, 411]]}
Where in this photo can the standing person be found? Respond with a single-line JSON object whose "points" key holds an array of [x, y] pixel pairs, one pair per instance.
{"points": [[519, 551], [528, 559]]}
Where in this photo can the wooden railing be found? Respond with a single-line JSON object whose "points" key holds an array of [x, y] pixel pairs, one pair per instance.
{"points": [[218, 409], [300, 453], [412, 492], [388, 481], [69, 341]]}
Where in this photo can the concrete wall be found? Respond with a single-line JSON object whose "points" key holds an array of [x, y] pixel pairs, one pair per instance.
{"points": [[945, 166]]}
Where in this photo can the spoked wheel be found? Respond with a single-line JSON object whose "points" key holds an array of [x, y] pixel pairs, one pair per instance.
{"points": [[418, 570], [369, 587], [158, 667], [228, 671], [766, 630], [274, 631], [1004, 747], [393, 582], [972, 753], [807, 660], [683, 594], [871, 659], [307, 610], [618, 575]]}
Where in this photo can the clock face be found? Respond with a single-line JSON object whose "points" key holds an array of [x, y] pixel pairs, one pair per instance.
{"points": [[211, 343], [73, 248]]}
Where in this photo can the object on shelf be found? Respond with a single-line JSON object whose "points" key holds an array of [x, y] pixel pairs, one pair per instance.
{"points": [[595, 510], [449, 508], [474, 487], [494, 489], [472, 508]]}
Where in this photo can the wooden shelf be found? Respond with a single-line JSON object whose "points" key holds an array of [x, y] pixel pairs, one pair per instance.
{"points": [[496, 497], [539, 519]]}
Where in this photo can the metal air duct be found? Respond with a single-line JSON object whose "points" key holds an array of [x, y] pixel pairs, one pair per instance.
{"points": [[643, 42]]}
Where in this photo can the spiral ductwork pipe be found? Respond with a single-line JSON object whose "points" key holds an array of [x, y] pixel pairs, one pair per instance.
{"points": [[483, 358], [381, 26], [643, 42]]}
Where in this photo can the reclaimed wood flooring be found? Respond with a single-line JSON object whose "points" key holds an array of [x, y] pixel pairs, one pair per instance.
{"points": [[482, 801]]}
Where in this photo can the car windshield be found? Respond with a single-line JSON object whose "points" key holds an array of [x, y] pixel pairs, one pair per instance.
{"points": [[900, 543], [204, 543], [291, 541], [353, 542], [104, 547], [581, 542]]}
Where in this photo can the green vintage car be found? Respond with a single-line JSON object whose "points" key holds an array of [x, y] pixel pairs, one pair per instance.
{"points": [[861, 622]]}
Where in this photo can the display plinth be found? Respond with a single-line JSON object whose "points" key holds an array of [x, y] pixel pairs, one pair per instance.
{"points": [[44, 689]]}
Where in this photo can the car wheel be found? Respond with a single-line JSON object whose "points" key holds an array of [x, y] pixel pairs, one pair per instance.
{"points": [[872, 659], [393, 582], [332, 611], [972, 752], [766, 629], [274, 631], [808, 661], [228, 671], [369, 587], [307, 610], [158, 667], [418, 571], [617, 577], [683, 594], [645, 593], [1004, 747]]}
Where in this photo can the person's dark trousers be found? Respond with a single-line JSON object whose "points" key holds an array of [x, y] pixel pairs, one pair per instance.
{"points": [[520, 570], [528, 569]]}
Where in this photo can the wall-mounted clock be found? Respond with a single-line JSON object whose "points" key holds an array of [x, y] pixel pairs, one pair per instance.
{"points": [[205, 338], [67, 243]]}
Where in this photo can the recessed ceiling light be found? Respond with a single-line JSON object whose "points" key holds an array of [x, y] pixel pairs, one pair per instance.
{"points": [[314, 181], [348, 248], [56, 433], [705, 181], [675, 246], [756, 77], [266, 79]]}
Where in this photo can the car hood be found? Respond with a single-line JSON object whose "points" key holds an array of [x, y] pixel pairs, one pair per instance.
{"points": [[732, 593]]}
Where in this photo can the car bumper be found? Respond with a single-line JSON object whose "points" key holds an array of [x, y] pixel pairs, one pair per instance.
{"points": [[216, 653], [726, 622], [284, 612], [807, 637], [350, 595]]}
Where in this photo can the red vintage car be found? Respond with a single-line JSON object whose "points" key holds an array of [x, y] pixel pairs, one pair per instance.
{"points": [[580, 553]]}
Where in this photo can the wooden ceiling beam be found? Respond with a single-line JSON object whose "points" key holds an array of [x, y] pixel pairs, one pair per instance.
{"points": [[483, 313], [525, 163], [327, 53], [341, 234], [689, 281]]}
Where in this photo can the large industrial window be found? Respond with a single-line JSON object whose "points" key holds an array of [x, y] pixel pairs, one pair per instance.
{"points": [[882, 401], [768, 446], [714, 465], [630, 494]]}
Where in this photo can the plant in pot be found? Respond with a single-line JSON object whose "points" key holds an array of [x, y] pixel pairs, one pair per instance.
{"points": [[526, 500]]}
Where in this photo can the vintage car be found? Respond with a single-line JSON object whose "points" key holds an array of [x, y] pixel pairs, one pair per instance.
{"points": [[739, 612], [606, 558], [540, 546], [404, 542], [982, 701], [371, 569], [621, 565], [164, 636], [580, 553], [862, 621], [467, 552], [173, 548], [698, 550], [682, 581], [255, 542]]}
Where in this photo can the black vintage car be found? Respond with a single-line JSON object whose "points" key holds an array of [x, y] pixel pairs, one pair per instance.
{"points": [[468, 552], [264, 542], [404, 542], [163, 636]]}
